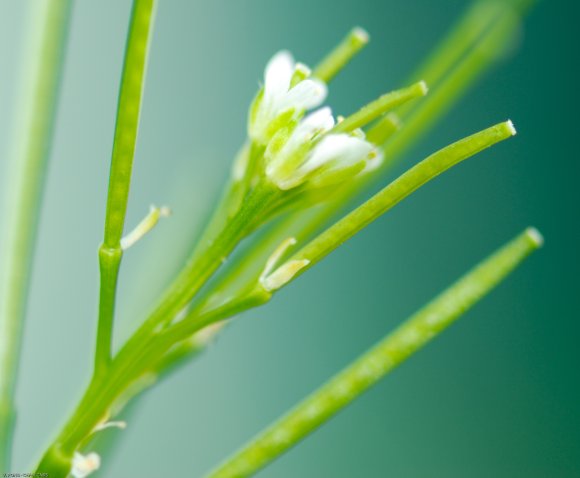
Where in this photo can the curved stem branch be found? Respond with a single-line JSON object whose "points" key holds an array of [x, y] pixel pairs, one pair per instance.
{"points": [[399, 189]]}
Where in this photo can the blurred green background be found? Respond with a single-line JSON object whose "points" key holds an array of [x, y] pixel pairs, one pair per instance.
{"points": [[497, 395]]}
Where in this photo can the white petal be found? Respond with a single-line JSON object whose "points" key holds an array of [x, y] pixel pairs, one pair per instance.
{"points": [[315, 123], [374, 161], [305, 95], [278, 75], [277, 255], [346, 149], [320, 120], [83, 466], [284, 274]]}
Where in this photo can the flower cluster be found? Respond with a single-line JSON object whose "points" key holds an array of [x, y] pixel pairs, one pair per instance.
{"points": [[302, 149]]}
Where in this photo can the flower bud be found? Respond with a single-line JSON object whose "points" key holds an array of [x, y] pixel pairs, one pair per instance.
{"points": [[308, 154], [281, 101]]}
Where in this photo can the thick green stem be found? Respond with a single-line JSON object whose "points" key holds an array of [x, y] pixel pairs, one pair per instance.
{"points": [[128, 111], [25, 183], [388, 354], [201, 266]]}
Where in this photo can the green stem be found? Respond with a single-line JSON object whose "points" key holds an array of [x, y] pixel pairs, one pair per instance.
{"points": [[201, 267], [107, 444], [383, 129], [381, 105], [25, 181], [128, 111], [372, 366], [197, 320], [344, 52], [140, 356]]}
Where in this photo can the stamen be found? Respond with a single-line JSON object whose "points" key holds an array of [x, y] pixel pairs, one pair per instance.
{"points": [[121, 425], [146, 225], [272, 281], [277, 255], [283, 274]]}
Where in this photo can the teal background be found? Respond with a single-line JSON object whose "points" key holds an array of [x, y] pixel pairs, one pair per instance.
{"points": [[496, 395]]}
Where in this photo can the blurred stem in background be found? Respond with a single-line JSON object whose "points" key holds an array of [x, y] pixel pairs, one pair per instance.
{"points": [[36, 110], [384, 357], [111, 250]]}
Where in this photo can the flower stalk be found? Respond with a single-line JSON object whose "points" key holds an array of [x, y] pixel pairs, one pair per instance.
{"points": [[146, 225], [384, 104], [128, 111]]}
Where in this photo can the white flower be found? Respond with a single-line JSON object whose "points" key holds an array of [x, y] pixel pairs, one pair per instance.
{"points": [[298, 160], [316, 123], [282, 161], [340, 150], [84, 465], [279, 97]]}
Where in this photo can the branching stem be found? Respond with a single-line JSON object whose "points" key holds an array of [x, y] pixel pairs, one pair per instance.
{"points": [[128, 111]]}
